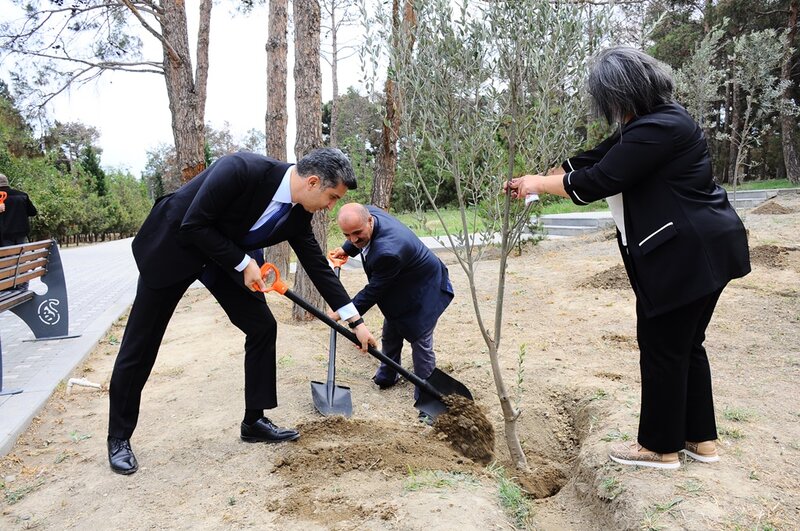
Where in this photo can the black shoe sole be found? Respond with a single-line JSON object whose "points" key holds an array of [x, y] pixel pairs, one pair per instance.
{"points": [[269, 441], [125, 472]]}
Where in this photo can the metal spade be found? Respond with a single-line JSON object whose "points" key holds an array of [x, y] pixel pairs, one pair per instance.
{"points": [[329, 398]]}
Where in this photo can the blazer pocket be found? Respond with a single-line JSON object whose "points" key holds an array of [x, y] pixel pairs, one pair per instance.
{"points": [[658, 237]]}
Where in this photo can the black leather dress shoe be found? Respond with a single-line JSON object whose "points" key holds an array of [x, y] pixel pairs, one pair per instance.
{"points": [[263, 430], [120, 456]]}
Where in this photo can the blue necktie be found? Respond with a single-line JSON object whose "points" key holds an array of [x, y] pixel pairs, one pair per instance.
{"points": [[256, 238]]}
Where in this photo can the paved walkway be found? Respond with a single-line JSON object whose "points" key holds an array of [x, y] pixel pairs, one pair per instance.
{"points": [[101, 283]]}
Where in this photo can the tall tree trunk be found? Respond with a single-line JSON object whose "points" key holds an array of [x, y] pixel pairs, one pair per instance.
{"points": [[334, 141], [276, 118], [186, 93], [386, 163], [735, 134], [791, 158], [308, 102]]}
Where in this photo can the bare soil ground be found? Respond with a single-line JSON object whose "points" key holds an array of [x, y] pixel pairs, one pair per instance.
{"points": [[569, 310]]}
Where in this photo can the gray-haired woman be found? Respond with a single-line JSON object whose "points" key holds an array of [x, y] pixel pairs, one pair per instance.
{"points": [[680, 240]]}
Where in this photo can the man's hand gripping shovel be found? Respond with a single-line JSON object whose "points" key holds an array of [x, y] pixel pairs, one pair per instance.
{"points": [[432, 389]]}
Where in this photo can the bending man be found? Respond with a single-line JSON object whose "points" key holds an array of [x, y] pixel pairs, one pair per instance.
{"points": [[406, 280], [240, 203]]}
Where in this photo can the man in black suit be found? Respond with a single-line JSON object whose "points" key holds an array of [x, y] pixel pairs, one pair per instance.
{"points": [[407, 281], [240, 203]]}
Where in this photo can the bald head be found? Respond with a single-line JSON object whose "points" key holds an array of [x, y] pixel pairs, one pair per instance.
{"points": [[356, 223]]}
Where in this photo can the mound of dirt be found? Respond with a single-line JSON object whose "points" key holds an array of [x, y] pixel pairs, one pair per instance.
{"points": [[334, 450], [770, 255], [466, 427], [772, 207], [613, 278]]}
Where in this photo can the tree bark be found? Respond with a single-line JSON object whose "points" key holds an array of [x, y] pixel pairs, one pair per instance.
{"points": [[308, 102], [185, 93], [791, 158], [276, 117], [386, 163], [334, 142]]}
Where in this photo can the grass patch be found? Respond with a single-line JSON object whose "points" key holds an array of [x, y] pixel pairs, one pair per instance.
{"points": [[600, 394], [435, 479], [737, 414], [769, 184], [285, 361], [653, 514], [691, 486], [615, 435], [511, 496], [611, 488], [14, 496], [731, 433]]}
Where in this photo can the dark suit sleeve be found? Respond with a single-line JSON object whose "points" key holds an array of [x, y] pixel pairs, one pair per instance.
{"points": [[310, 255], [350, 249], [592, 156], [645, 146], [385, 269], [226, 181]]}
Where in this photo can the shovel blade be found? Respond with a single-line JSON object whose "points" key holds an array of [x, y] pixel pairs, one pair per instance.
{"points": [[341, 402], [446, 385]]}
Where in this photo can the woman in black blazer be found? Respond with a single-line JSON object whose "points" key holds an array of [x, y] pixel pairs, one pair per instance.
{"points": [[680, 240]]}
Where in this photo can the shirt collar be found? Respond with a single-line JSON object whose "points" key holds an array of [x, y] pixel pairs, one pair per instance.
{"points": [[284, 192]]}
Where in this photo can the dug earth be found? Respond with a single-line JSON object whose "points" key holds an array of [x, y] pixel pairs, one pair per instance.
{"points": [[569, 360]]}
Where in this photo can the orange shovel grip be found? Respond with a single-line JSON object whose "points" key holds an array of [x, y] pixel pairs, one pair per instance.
{"points": [[278, 285], [337, 262], [3, 196]]}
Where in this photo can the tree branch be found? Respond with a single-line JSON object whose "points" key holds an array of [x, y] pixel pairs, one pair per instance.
{"points": [[170, 50]]}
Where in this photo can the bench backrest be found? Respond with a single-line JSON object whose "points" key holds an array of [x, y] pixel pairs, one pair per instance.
{"points": [[22, 263], [47, 313]]}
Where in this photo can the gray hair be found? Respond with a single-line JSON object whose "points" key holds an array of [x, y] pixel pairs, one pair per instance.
{"points": [[624, 81], [330, 165]]}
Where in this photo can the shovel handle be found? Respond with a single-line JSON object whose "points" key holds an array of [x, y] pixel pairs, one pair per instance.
{"points": [[277, 285], [3, 196], [281, 288]]}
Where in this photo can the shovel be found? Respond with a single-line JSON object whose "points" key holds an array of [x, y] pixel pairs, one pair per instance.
{"points": [[329, 398], [432, 389]]}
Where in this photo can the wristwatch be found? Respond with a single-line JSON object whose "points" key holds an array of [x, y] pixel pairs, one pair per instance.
{"points": [[355, 323]]}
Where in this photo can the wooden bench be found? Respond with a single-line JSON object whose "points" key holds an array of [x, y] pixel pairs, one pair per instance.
{"points": [[46, 315]]}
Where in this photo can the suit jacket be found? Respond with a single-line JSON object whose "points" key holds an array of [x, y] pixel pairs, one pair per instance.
{"points": [[684, 239], [407, 281], [203, 222], [14, 221]]}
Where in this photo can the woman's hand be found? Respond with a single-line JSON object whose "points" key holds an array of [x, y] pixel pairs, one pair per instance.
{"points": [[519, 187]]}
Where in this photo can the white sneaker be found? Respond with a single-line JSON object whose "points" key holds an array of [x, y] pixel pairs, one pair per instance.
{"points": [[635, 454], [705, 451]]}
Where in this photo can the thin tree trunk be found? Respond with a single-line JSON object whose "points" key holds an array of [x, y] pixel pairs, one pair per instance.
{"points": [[735, 133], [791, 158], [276, 117], [386, 163], [308, 102], [185, 93], [334, 141], [510, 413]]}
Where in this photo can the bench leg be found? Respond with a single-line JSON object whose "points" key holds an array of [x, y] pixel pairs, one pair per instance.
{"points": [[4, 392]]}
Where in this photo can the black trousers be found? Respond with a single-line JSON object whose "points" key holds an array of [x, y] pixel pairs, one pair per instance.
{"points": [[148, 320], [677, 403]]}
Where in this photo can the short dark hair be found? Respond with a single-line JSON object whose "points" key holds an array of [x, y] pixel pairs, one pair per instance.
{"points": [[625, 81], [330, 165]]}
